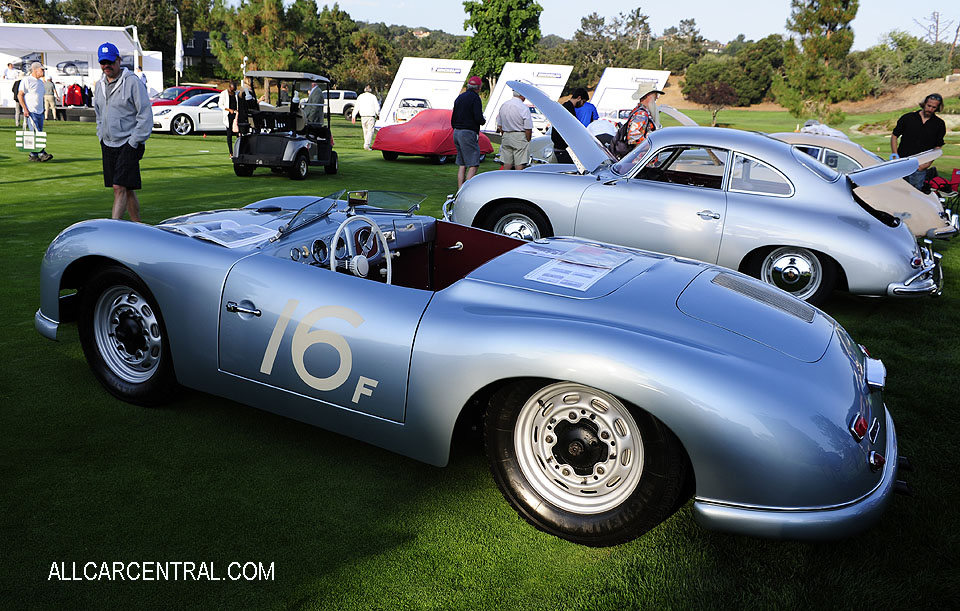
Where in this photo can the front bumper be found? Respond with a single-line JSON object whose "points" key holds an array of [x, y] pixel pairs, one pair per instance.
{"points": [[927, 280], [825, 523], [45, 326]]}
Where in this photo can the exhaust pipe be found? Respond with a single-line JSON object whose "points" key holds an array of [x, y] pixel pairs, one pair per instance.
{"points": [[902, 487], [903, 464]]}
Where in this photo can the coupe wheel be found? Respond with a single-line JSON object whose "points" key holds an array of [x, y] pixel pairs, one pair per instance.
{"points": [[300, 167], [518, 220], [390, 155], [439, 159], [334, 166], [577, 463], [242, 169], [803, 273], [124, 339], [181, 125]]}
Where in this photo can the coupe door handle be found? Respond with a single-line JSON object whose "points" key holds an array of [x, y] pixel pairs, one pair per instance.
{"points": [[233, 306], [708, 214]]}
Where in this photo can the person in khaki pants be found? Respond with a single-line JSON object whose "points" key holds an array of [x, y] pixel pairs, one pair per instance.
{"points": [[49, 99]]}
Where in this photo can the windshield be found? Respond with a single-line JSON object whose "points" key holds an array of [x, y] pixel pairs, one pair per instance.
{"points": [[625, 165], [368, 201], [197, 100], [170, 93]]}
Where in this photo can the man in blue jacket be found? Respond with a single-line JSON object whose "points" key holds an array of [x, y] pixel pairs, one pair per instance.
{"points": [[467, 119], [124, 122]]}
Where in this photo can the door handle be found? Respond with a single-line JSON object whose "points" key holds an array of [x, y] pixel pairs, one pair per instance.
{"points": [[708, 214], [232, 306]]}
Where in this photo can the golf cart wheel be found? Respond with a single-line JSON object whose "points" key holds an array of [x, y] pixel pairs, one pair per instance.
{"points": [[334, 166], [300, 167], [242, 169], [181, 125], [581, 464], [439, 159]]}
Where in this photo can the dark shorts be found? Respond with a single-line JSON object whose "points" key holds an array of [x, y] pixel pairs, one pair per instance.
{"points": [[467, 142], [121, 165]]}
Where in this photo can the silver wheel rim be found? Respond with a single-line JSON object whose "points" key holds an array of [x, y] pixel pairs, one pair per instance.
{"points": [[518, 225], [302, 166], [579, 448], [795, 270], [181, 125], [127, 333]]}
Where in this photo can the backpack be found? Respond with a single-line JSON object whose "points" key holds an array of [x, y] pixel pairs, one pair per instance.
{"points": [[619, 146]]}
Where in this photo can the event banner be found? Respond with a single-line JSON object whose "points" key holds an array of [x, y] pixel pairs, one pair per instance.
{"points": [[423, 82], [617, 86], [549, 78]]}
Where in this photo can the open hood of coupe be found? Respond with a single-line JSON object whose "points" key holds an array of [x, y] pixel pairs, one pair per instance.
{"points": [[588, 149], [892, 170]]}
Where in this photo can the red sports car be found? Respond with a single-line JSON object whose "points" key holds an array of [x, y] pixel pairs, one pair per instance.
{"points": [[428, 134], [175, 95]]}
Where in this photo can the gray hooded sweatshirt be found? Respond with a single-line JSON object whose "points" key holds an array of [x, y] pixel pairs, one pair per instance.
{"points": [[124, 113]]}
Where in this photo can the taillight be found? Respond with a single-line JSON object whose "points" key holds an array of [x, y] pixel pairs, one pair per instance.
{"points": [[876, 461], [858, 427], [916, 262]]}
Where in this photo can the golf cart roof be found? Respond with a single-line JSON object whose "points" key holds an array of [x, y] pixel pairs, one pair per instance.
{"points": [[287, 76]]}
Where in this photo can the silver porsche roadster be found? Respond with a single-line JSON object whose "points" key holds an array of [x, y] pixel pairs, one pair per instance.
{"points": [[611, 383], [743, 200]]}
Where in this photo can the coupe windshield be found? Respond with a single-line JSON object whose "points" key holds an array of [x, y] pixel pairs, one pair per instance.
{"points": [[625, 165], [368, 201], [170, 93]]}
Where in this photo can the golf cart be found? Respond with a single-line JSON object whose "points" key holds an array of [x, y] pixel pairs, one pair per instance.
{"points": [[285, 128]]}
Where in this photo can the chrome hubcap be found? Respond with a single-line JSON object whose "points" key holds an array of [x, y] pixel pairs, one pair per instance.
{"points": [[127, 333], [519, 226], [795, 270], [181, 125], [579, 448]]}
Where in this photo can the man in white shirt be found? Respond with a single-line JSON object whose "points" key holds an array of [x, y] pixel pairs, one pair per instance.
{"points": [[516, 124], [10, 73], [368, 107], [30, 96]]}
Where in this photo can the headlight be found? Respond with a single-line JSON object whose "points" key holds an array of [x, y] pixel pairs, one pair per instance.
{"points": [[163, 112]]}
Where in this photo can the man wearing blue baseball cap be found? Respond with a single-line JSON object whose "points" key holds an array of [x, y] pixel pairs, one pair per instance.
{"points": [[124, 122]]}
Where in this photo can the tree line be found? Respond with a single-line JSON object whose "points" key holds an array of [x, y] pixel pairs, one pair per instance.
{"points": [[808, 72]]}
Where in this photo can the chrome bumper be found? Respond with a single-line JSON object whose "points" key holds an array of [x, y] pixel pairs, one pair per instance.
{"points": [[448, 208], [928, 280], [45, 326], [807, 524]]}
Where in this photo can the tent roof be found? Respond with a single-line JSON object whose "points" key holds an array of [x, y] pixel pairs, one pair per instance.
{"points": [[19, 38]]}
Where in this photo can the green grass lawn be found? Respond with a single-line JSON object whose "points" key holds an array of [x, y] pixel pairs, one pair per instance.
{"points": [[87, 478]]}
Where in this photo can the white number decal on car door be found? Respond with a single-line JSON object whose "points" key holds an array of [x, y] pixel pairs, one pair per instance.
{"points": [[304, 338]]}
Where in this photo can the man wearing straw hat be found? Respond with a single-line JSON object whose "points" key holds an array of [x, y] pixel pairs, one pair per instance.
{"points": [[641, 120]]}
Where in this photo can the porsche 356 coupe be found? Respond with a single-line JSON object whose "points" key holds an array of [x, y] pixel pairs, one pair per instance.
{"points": [[611, 383]]}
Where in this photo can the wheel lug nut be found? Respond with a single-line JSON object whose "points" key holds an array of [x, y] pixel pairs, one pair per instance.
{"points": [[572, 415], [600, 471], [566, 472], [604, 435], [549, 439]]}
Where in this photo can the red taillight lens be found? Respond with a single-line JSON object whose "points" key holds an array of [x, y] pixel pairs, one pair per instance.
{"points": [[877, 461], [916, 262], [858, 427]]}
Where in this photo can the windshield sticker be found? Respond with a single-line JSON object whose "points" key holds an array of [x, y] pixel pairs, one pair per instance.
{"points": [[568, 275]]}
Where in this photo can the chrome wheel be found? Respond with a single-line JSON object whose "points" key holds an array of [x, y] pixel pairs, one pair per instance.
{"points": [[517, 225], [181, 125], [579, 448], [795, 270], [127, 334]]}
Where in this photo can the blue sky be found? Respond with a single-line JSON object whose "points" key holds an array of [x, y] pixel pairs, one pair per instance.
{"points": [[717, 20]]}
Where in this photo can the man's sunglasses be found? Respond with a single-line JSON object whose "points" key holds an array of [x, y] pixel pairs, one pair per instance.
{"points": [[104, 62]]}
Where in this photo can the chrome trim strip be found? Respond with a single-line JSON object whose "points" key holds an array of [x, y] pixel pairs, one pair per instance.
{"points": [[45, 326], [876, 373], [448, 212]]}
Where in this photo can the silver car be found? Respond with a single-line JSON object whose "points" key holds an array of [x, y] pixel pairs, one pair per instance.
{"points": [[611, 383], [740, 199]]}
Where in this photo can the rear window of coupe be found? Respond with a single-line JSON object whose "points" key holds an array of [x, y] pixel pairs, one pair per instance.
{"points": [[814, 166]]}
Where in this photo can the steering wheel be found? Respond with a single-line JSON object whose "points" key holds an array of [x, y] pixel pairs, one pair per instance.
{"points": [[357, 263]]}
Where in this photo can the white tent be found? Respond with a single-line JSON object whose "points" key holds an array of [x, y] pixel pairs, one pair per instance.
{"points": [[58, 44]]}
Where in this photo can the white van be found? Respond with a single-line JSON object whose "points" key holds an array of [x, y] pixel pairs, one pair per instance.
{"points": [[341, 102]]}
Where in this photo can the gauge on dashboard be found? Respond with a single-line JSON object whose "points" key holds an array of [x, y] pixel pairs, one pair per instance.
{"points": [[320, 251], [341, 251], [295, 254]]}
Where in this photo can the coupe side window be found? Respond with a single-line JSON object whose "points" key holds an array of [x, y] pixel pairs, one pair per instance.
{"points": [[696, 166], [753, 176]]}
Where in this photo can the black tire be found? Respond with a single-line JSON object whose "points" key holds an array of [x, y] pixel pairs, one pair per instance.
{"points": [[582, 491], [483, 158], [806, 274], [390, 155], [519, 220], [124, 338], [300, 167], [242, 169], [334, 166], [439, 159], [348, 112], [182, 125]]}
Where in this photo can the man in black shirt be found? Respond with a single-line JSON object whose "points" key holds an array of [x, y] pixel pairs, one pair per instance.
{"points": [[466, 120], [919, 131], [576, 100]]}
